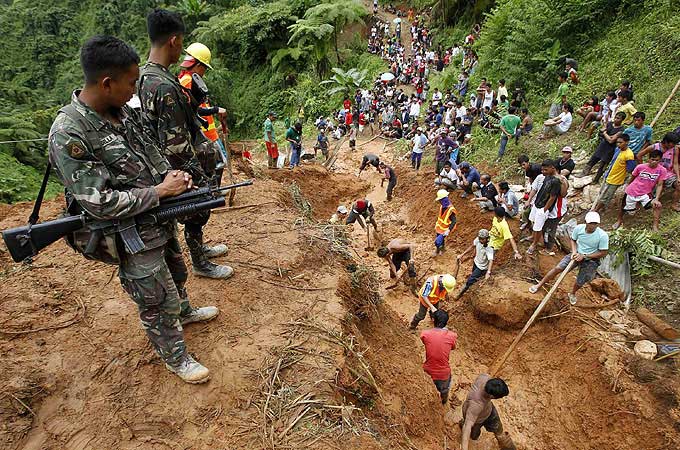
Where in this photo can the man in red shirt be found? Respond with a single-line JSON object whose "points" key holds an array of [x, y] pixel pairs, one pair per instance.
{"points": [[439, 341]]}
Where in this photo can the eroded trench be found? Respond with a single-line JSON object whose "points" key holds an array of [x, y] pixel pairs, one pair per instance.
{"points": [[568, 390]]}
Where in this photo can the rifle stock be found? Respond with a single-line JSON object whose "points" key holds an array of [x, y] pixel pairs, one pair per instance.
{"points": [[27, 241]]}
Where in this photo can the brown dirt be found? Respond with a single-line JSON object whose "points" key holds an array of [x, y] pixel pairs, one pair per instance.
{"points": [[599, 287], [512, 309], [93, 370]]}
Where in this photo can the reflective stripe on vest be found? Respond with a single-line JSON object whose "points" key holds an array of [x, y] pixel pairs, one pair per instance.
{"points": [[211, 131], [437, 291], [444, 219]]}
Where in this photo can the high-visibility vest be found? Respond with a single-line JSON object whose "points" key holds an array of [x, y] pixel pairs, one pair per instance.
{"points": [[444, 219], [211, 131], [433, 289]]}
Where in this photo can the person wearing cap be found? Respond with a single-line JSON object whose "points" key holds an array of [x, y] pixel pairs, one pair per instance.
{"points": [[589, 244], [435, 289], [483, 260], [270, 140], [439, 341], [362, 210], [470, 179], [566, 165], [339, 215], [197, 61], [446, 221], [294, 137], [419, 143]]}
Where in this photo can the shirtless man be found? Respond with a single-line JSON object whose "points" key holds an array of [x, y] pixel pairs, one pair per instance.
{"points": [[478, 412], [401, 252]]}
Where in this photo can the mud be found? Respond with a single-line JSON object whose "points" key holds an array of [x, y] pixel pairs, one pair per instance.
{"points": [[505, 303], [76, 358]]}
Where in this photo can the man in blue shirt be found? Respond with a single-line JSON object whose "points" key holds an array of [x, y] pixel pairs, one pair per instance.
{"points": [[589, 244], [640, 134], [470, 178]]}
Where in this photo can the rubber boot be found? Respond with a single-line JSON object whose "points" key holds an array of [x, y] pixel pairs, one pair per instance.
{"points": [[200, 264], [505, 442], [190, 370]]}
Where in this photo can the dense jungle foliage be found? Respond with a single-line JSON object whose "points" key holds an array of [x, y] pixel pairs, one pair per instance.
{"points": [[274, 54]]}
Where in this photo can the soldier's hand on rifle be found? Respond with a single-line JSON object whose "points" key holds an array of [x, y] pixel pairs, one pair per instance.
{"points": [[175, 183]]}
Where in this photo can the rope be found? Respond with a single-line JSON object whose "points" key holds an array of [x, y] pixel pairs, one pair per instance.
{"points": [[23, 140]]}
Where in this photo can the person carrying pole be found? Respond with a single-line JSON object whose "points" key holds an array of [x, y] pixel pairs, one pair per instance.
{"points": [[589, 244], [479, 411], [435, 289], [446, 221]]}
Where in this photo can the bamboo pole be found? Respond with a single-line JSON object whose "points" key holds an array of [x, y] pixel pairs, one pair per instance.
{"points": [[665, 104], [664, 261], [499, 363]]}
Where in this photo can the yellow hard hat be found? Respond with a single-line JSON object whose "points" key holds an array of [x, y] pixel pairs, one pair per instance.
{"points": [[200, 52], [441, 193], [449, 282]]}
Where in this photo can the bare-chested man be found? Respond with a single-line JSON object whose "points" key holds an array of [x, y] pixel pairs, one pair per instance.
{"points": [[478, 412], [401, 252]]}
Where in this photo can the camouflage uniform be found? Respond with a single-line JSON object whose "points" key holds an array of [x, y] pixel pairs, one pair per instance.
{"points": [[167, 110], [110, 171]]}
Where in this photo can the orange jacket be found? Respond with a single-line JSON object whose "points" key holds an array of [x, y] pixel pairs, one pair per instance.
{"points": [[444, 219], [211, 131], [433, 289]]}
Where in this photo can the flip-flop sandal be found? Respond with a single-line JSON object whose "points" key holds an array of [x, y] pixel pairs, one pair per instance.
{"points": [[533, 289], [530, 252]]}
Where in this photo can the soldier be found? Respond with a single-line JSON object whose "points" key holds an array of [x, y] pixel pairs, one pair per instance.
{"points": [[168, 110], [113, 170]]}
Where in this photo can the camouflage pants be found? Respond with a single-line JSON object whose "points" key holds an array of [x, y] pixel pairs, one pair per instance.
{"points": [[155, 280]]}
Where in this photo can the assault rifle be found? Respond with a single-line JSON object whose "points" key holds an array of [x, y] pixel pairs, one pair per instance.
{"points": [[25, 242]]}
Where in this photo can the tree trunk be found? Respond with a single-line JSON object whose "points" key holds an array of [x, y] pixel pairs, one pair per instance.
{"points": [[335, 41]]}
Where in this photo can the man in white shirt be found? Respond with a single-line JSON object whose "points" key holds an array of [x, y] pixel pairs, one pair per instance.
{"points": [[448, 177], [461, 111], [559, 124], [419, 143], [502, 90]]}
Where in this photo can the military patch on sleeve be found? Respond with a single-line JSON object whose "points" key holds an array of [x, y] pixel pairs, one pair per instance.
{"points": [[76, 150]]}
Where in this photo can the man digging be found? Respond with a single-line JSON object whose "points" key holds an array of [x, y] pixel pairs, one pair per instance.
{"points": [[401, 252], [435, 289]]}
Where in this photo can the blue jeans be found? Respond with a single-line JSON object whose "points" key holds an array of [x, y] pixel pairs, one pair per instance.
{"points": [[476, 274], [294, 155], [504, 142], [415, 160]]}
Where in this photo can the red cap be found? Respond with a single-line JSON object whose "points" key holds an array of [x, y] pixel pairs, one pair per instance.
{"points": [[189, 61]]}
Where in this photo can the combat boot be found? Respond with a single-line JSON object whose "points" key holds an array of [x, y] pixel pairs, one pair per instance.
{"points": [[215, 250], [200, 264], [190, 370], [202, 314]]}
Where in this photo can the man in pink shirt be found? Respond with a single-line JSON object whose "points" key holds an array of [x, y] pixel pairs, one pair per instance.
{"points": [[439, 341], [646, 177]]}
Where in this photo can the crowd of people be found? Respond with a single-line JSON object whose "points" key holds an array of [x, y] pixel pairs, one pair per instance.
{"points": [[118, 162]]}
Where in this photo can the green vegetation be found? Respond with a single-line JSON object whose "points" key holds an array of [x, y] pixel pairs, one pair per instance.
{"points": [[267, 55]]}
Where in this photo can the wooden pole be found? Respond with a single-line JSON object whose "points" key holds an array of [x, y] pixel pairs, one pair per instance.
{"points": [[499, 363], [665, 104], [664, 261]]}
